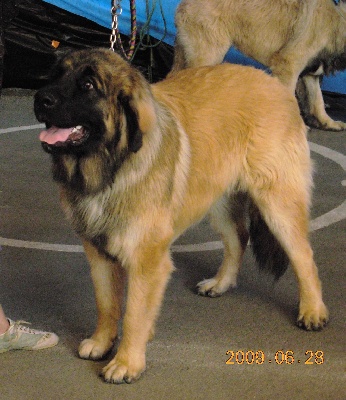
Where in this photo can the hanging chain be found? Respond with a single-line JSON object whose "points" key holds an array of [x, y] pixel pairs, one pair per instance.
{"points": [[116, 10], [115, 38]]}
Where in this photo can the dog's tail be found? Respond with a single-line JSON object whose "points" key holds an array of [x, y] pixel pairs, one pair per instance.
{"points": [[269, 254]]}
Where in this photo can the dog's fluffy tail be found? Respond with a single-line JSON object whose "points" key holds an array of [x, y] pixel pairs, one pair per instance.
{"points": [[269, 254]]}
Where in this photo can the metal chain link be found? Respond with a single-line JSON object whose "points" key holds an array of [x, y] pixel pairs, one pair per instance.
{"points": [[115, 38], [116, 10]]}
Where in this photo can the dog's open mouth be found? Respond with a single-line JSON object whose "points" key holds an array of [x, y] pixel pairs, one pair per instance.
{"points": [[61, 137]]}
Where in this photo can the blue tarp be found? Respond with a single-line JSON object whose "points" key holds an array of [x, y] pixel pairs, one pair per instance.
{"points": [[162, 27]]}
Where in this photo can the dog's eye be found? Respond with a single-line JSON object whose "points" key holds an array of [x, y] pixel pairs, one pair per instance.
{"points": [[87, 85]]}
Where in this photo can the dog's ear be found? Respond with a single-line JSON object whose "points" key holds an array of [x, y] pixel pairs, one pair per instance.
{"points": [[134, 134], [139, 114]]}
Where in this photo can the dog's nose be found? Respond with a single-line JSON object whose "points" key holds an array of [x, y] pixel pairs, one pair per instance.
{"points": [[46, 100]]}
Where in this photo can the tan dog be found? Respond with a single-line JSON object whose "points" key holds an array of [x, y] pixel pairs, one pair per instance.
{"points": [[291, 37], [138, 164]]}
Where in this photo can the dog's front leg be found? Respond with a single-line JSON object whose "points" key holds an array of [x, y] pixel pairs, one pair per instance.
{"points": [[147, 281], [109, 282]]}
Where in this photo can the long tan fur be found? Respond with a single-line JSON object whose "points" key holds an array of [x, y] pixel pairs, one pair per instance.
{"points": [[212, 139]]}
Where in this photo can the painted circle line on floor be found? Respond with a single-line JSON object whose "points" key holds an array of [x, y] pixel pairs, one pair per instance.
{"points": [[329, 218]]}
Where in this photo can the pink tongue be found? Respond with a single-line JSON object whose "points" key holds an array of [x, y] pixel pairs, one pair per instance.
{"points": [[54, 135]]}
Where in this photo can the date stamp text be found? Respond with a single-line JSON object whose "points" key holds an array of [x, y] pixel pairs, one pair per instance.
{"points": [[281, 357]]}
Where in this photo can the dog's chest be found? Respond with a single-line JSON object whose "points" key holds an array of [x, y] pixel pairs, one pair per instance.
{"points": [[90, 215], [100, 214], [109, 226]]}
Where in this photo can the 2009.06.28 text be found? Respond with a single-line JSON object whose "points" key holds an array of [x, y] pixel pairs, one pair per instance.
{"points": [[281, 357]]}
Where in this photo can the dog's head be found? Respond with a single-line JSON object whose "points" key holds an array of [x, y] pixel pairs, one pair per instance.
{"points": [[95, 99], [97, 110]]}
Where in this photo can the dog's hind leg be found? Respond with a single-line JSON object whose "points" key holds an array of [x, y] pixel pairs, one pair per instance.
{"points": [[197, 52], [286, 214], [227, 218], [287, 66], [109, 283], [200, 40], [317, 116]]}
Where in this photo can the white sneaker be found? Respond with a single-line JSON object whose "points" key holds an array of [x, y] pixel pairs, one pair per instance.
{"points": [[19, 337]]}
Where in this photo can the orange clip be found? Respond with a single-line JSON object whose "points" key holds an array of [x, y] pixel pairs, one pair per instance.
{"points": [[55, 44]]}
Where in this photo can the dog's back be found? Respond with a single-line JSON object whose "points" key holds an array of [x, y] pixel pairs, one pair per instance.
{"points": [[245, 91], [244, 127], [244, 102]]}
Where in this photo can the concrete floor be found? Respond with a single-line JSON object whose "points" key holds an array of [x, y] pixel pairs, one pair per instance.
{"points": [[45, 280]]}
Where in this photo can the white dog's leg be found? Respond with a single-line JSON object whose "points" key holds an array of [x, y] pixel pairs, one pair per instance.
{"points": [[316, 105]]}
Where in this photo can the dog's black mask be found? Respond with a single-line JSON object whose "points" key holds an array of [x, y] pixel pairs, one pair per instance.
{"points": [[67, 107]]}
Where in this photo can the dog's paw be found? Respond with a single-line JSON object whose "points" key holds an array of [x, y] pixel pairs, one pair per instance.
{"points": [[313, 318], [326, 124], [120, 371], [213, 287], [335, 126], [93, 349]]}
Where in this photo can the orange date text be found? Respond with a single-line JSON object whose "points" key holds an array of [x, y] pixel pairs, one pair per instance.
{"points": [[281, 357]]}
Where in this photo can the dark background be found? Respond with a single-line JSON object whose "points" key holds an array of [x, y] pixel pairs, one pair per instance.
{"points": [[28, 27]]}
